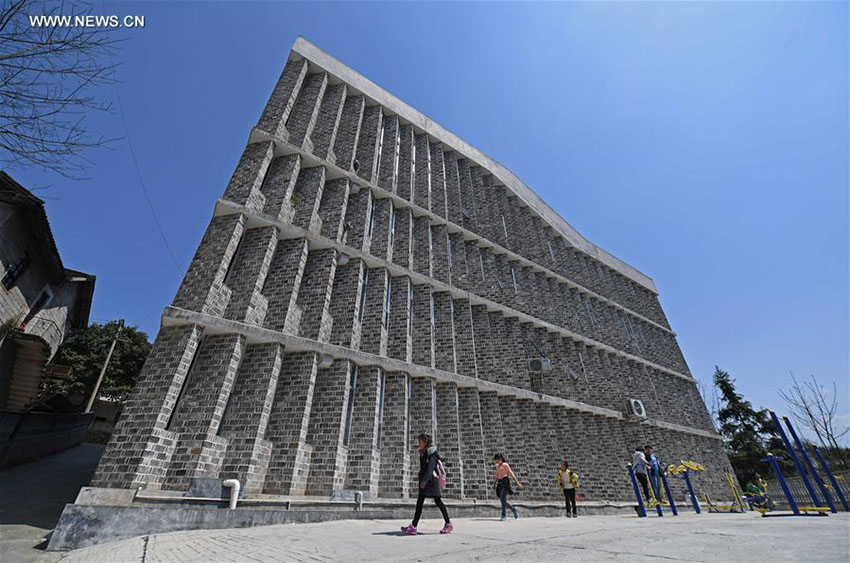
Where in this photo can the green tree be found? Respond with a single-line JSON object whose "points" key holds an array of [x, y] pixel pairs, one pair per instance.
{"points": [[85, 351], [747, 433]]}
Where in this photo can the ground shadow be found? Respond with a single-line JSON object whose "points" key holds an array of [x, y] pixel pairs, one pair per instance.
{"points": [[35, 493]]}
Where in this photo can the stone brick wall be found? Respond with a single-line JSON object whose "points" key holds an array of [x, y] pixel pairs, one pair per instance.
{"points": [[367, 283]]}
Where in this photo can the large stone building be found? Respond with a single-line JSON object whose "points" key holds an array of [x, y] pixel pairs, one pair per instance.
{"points": [[368, 276]]}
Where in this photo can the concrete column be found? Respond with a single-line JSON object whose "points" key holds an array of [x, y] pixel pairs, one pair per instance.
{"points": [[358, 217], [332, 208], [203, 289], [438, 181], [422, 177], [248, 275], [283, 99], [405, 162], [423, 326], [199, 451], [244, 185], [345, 304], [440, 260], [314, 294], [402, 253], [307, 197], [389, 158], [399, 331], [475, 477], [395, 452], [288, 425], [247, 415], [278, 186], [448, 439], [453, 200], [327, 124], [502, 349], [484, 345], [364, 458], [140, 447], [367, 143], [303, 117], [373, 320], [348, 131], [281, 286], [326, 428], [464, 339]]}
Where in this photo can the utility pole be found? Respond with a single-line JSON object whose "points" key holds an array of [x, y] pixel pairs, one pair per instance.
{"points": [[105, 364]]}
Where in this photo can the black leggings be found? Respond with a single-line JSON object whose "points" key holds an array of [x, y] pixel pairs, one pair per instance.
{"points": [[570, 500], [644, 483], [421, 500]]}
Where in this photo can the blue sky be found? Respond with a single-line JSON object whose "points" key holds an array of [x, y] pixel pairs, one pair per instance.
{"points": [[706, 144]]}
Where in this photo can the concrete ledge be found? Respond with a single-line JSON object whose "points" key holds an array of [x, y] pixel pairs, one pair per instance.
{"points": [[86, 525]]}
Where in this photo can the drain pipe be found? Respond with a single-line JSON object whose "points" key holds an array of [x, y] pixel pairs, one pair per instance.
{"points": [[234, 486]]}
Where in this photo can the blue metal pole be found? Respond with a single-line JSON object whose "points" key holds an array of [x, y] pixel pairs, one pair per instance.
{"points": [[691, 492], [810, 465], [831, 477], [800, 469], [641, 507], [773, 461], [667, 488], [656, 493]]}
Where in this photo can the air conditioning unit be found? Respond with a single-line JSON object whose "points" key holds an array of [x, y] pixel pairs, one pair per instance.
{"points": [[636, 408], [539, 365]]}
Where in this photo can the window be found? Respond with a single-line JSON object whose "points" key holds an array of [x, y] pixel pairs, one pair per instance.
{"points": [[627, 332], [433, 413], [589, 312], [513, 278], [42, 301], [409, 310], [349, 410], [392, 227], [397, 152], [15, 271], [371, 220], [551, 251], [363, 296], [449, 253], [388, 300], [381, 401], [640, 334], [433, 310], [380, 146], [505, 227], [409, 406], [481, 263], [581, 361]]}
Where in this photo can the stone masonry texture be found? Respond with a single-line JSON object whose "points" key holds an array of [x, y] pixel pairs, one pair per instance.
{"points": [[371, 277]]}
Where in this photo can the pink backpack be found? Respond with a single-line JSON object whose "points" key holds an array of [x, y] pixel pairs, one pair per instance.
{"points": [[440, 473]]}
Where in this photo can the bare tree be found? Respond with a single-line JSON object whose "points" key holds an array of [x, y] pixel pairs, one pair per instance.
{"points": [[49, 74], [712, 404], [814, 408]]}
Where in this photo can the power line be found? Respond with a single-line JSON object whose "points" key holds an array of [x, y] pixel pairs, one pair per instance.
{"points": [[142, 183]]}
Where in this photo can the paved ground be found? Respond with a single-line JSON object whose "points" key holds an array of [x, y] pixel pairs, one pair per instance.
{"points": [[707, 537], [33, 495]]}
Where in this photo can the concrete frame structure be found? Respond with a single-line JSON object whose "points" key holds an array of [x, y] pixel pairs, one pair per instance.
{"points": [[368, 276]]}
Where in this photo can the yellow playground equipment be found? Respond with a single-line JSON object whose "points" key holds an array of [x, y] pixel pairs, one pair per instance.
{"points": [[737, 504]]}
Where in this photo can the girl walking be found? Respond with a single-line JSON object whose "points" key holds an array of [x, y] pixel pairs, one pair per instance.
{"points": [[504, 473], [568, 481], [429, 485]]}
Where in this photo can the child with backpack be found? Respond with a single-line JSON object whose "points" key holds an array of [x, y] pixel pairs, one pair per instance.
{"points": [[432, 476], [568, 481], [503, 484]]}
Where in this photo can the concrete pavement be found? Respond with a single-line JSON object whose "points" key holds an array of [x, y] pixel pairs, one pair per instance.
{"points": [[689, 537]]}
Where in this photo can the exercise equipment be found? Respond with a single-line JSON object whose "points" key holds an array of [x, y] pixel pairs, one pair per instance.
{"points": [[682, 471], [833, 481], [737, 504]]}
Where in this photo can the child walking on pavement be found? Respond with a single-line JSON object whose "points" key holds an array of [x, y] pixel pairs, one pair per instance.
{"points": [[568, 481], [504, 473], [429, 485]]}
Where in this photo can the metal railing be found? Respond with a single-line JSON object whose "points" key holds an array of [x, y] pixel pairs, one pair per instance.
{"points": [[46, 329], [801, 495]]}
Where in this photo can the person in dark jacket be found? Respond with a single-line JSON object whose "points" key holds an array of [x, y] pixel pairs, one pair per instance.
{"points": [[429, 485]]}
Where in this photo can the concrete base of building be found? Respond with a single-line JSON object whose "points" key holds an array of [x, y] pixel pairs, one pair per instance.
{"points": [[103, 515]]}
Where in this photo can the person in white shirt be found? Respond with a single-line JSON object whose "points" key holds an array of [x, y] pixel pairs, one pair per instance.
{"points": [[640, 465]]}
